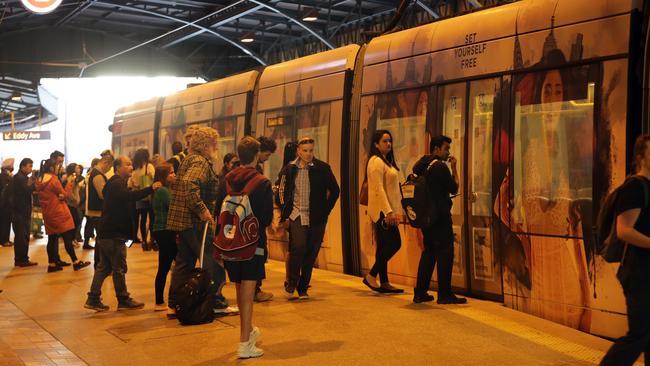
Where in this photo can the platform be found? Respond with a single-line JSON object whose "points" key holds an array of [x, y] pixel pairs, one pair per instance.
{"points": [[43, 322]]}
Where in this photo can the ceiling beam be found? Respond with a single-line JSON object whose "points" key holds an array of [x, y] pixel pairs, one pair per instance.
{"points": [[186, 24], [76, 11], [294, 20]]}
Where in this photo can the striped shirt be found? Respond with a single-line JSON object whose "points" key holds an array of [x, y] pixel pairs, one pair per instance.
{"points": [[301, 194]]}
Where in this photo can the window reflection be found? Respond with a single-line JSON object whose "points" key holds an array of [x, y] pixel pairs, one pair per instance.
{"points": [[553, 149]]}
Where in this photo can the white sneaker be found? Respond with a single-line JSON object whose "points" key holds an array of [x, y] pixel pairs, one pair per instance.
{"points": [[248, 350], [255, 333]]}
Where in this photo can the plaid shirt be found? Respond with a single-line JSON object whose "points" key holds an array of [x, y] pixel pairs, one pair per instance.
{"points": [[301, 195], [194, 191]]}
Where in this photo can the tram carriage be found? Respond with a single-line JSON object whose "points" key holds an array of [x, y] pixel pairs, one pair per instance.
{"points": [[542, 102]]}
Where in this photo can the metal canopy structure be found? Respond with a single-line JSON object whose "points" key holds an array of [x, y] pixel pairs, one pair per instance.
{"points": [[209, 39], [192, 37]]}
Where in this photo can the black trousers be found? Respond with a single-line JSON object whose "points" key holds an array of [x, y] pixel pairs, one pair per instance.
{"points": [[167, 253], [89, 229], [389, 241], [628, 348], [5, 224], [438, 247], [53, 246], [22, 224], [142, 214], [304, 245]]}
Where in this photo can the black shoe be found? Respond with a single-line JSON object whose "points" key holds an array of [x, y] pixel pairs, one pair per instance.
{"points": [[8, 244], [387, 288], [451, 299], [62, 264], [145, 247], [376, 289], [96, 305], [303, 295], [79, 265], [86, 246], [129, 304], [25, 264], [425, 297], [51, 269]]}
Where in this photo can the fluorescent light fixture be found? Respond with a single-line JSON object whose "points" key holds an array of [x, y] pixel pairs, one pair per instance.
{"points": [[310, 15], [248, 38]]}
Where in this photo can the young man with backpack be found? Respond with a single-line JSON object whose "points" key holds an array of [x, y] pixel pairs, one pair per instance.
{"points": [[308, 193], [438, 235], [268, 146], [245, 212], [632, 227]]}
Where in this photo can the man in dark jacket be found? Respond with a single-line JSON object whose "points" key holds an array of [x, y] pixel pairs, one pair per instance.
{"points": [[5, 201], [22, 188], [439, 237], [308, 193], [114, 231]]}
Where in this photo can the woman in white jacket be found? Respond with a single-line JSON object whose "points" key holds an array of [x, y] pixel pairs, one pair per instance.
{"points": [[384, 208]]}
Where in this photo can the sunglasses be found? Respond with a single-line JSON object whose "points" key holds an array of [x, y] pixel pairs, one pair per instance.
{"points": [[306, 140]]}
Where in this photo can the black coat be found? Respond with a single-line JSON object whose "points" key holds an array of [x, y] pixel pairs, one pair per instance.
{"points": [[323, 191], [116, 221]]}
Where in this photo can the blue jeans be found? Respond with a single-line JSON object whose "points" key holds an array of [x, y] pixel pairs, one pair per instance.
{"points": [[111, 257], [188, 253]]}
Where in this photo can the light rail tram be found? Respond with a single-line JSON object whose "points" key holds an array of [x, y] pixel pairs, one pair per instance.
{"points": [[542, 99]]}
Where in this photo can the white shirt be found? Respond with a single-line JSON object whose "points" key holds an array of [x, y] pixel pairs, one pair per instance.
{"points": [[383, 189]]}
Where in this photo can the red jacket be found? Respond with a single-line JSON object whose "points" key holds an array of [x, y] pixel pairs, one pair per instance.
{"points": [[56, 214]]}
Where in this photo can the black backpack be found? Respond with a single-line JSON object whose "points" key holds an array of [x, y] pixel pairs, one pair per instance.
{"points": [[608, 245], [418, 204], [195, 299]]}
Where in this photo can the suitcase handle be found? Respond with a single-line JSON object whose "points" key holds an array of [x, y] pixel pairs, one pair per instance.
{"points": [[205, 233]]}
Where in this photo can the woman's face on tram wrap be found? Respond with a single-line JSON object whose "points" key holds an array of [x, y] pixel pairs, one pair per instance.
{"points": [[552, 97]]}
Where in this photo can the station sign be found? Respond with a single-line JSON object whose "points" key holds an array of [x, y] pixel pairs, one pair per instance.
{"points": [[41, 6], [25, 135]]}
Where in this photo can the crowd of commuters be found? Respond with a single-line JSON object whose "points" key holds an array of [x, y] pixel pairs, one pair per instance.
{"points": [[170, 202]]}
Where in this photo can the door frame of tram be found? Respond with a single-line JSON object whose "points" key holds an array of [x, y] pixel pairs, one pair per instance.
{"points": [[504, 99]]}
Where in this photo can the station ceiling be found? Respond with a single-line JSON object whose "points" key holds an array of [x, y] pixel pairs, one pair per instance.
{"points": [[190, 37]]}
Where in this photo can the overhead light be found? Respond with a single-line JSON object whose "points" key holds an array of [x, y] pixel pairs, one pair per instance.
{"points": [[247, 38], [309, 15], [16, 96]]}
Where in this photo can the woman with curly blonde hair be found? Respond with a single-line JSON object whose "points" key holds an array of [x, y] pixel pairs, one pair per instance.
{"points": [[193, 198]]}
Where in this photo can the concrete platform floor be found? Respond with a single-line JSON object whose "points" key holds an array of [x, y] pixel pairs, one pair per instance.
{"points": [[343, 324]]}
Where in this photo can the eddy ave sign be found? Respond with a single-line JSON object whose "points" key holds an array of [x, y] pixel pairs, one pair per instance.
{"points": [[41, 6]]}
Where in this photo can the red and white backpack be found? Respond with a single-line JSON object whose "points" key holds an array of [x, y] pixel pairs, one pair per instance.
{"points": [[239, 229]]}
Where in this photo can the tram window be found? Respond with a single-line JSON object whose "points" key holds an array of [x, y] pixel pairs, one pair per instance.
{"points": [[404, 115], [278, 126], [313, 121], [553, 151], [227, 129]]}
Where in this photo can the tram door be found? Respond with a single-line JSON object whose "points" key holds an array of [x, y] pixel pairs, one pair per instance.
{"points": [[467, 117], [453, 103], [484, 263]]}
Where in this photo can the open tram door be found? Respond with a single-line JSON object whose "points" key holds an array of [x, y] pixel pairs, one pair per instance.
{"points": [[467, 115]]}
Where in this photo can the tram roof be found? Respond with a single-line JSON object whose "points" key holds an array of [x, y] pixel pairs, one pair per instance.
{"points": [[490, 24], [324, 63], [232, 85]]}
